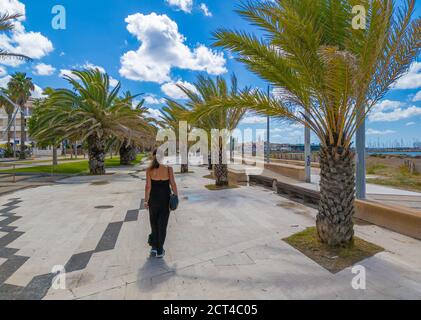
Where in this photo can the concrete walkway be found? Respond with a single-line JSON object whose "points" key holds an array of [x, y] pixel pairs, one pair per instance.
{"points": [[220, 245]]}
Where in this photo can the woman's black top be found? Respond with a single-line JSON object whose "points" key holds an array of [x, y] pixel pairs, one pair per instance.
{"points": [[160, 193]]}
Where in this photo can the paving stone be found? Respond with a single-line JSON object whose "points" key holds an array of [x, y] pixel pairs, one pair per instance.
{"points": [[8, 221], [9, 267], [131, 215], [7, 252], [8, 209], [37, 288], [9, 292], [109, 238], [9, 238], [78, 261]]}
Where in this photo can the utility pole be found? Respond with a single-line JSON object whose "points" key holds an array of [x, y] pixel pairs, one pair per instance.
{"points": [[307, 152], [268, 133], [360, 148]]}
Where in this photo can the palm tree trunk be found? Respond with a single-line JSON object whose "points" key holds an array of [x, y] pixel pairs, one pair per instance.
{"points": [[221, 169], [96, 150], [337, 193], [184, 168], [210, 167], [125, 154], [55, 160], [22, 154]]}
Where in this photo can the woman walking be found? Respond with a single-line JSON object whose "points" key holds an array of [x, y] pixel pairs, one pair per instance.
{"points": [[159, 183]]}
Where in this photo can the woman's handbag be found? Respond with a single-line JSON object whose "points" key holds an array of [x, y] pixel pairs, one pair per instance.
{"points": [[173, 197], [173, 202]]}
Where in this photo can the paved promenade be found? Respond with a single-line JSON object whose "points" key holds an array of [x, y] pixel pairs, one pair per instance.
{"points": [[220, 245]]}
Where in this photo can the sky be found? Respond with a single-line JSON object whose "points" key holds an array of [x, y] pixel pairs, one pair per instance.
{"points": [[151, 45]]}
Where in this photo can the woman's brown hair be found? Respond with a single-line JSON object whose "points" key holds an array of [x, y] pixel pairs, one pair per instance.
{"points": [[154, 164]]}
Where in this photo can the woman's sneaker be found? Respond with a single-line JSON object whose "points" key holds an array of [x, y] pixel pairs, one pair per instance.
{"points": [[160, 253], [154, 253]]}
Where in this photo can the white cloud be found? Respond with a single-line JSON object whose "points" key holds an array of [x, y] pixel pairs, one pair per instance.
{"points": [[152, 99], [3, 71], [205, 10], [13, 7], [379, 132], [417, 97], [183, 5], [113, 82], [87, 65], [32, 44], [387, 105], [154, 113], [411, 123], [411, 80], [162, 49], [68, 73], [4, 81], [253, 120], [43, 69], [388, 111], [173, 91], [37, 93]]}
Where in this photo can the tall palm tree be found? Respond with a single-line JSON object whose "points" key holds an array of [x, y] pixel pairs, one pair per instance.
{"points": [[20, 87], [171, 115], [6, 24], [208, 92], [9, 109], [331, 75], [90, 112], [35, 126], [128, 146]]}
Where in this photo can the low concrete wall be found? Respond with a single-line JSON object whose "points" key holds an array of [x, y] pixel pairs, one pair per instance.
{"points": [[403, 220], [234, 176], [288, 170], [295, 162], [237, 176]]}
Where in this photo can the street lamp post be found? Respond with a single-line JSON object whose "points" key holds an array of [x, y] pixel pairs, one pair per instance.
{"points": [[307, 153], [268, 133]]}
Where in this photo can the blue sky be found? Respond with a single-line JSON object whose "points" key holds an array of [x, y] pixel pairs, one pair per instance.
{"points": [[150, 45]]}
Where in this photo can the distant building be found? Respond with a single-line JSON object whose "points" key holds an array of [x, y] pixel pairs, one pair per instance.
{"points": [[13, 129]]}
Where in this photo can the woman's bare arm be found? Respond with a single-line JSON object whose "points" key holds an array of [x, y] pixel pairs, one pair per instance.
{"points": [[173, 183], [147, 188]]}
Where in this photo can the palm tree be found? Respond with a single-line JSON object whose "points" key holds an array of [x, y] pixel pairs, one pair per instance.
{"points": [[209, 92], [35, 126], [128, 147], [9, 109], [20, 87], [90, 112], [171, 115], [330, 75], [6, 24]]}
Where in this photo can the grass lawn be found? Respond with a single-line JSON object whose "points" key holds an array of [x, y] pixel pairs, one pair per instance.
{"points": [[34, 161], [395, 177], [331, 258], [76, 167]]}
